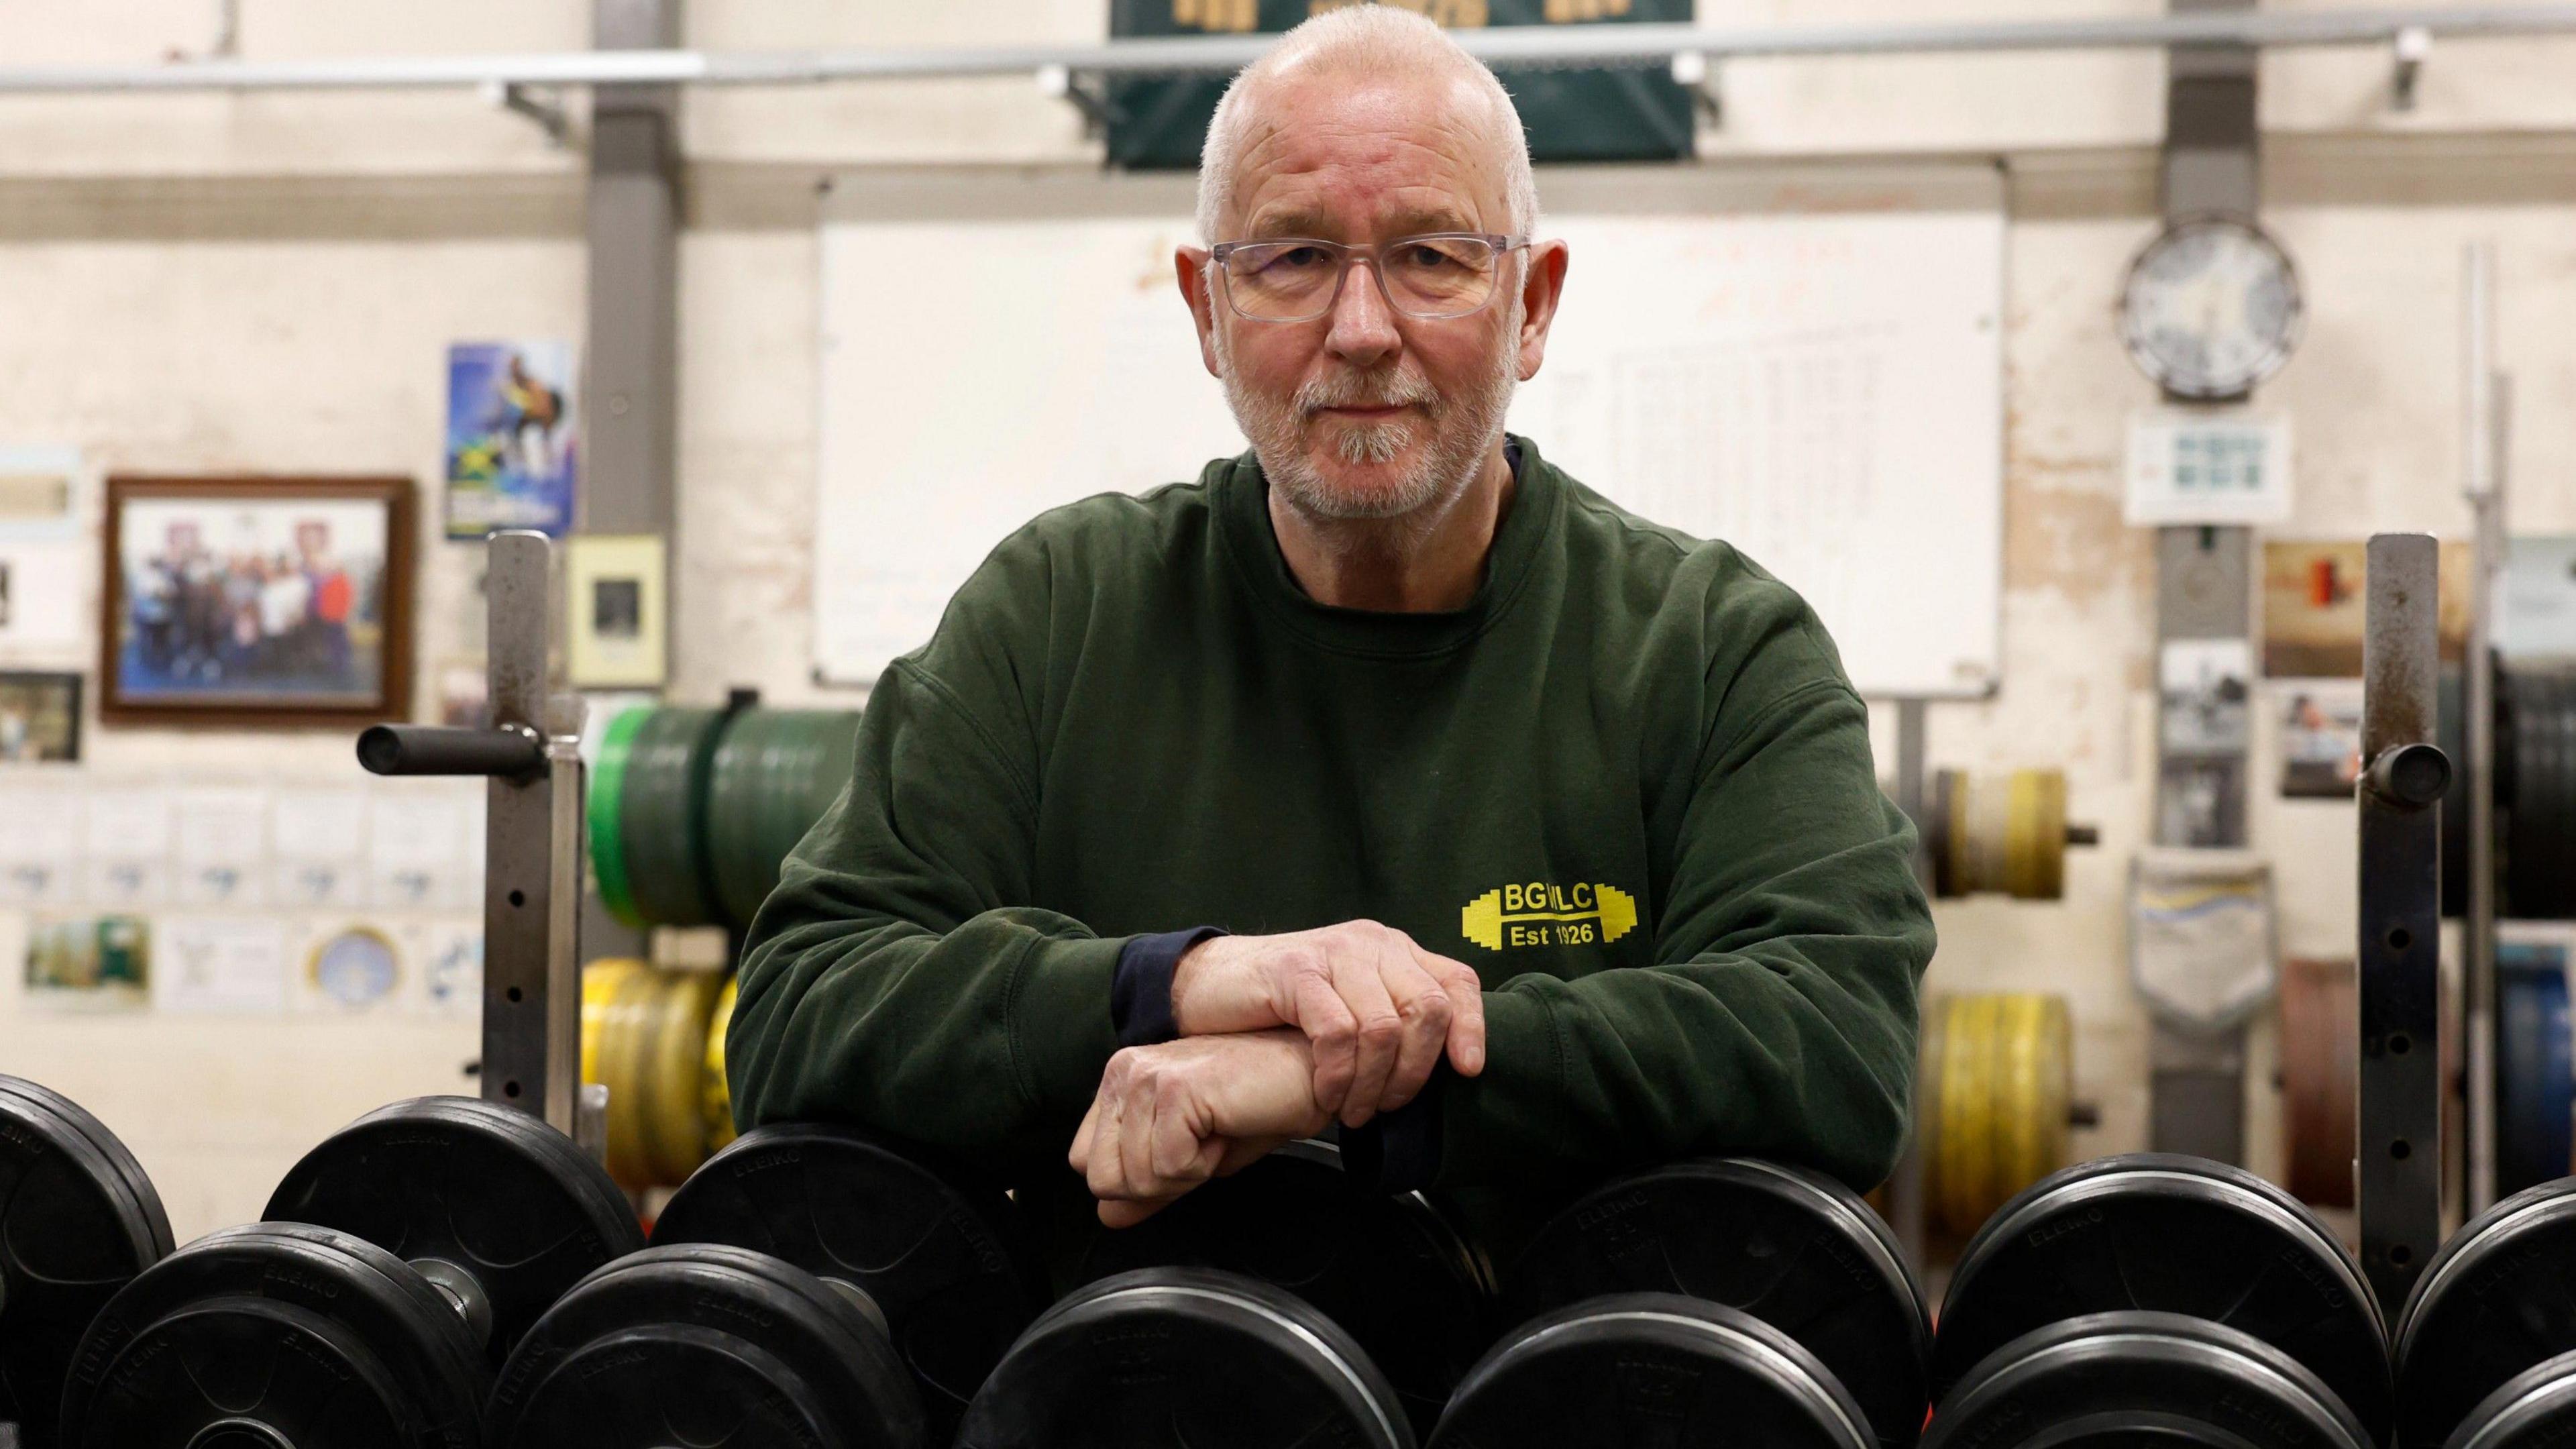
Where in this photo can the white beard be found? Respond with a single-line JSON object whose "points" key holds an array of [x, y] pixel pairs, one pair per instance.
{"points": [[1463, 433]]}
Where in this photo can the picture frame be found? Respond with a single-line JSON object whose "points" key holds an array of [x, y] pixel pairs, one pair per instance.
{"points": [[256, 601], [40, 717], [615, 635]]}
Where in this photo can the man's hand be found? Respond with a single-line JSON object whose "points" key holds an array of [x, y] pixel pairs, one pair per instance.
{"points": [[1171, 1116], [1378, 1009]]}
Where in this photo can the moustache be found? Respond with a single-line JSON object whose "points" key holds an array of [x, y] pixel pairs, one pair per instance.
{"points": [[1356, 389]]}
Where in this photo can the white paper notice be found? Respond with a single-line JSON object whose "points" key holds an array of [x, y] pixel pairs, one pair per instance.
{"points": [[320, 843], [40, 850], [416, 849], [449, 956], [43, 594], [221, 964], [222, 846], [127, 843]]}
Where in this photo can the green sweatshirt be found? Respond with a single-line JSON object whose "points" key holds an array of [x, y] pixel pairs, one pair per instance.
{"points": [[1628, 783]]}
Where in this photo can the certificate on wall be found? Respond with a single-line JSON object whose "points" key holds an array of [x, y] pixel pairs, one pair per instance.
{"points": [[615, 637], [234, 964], [2208, 467]]}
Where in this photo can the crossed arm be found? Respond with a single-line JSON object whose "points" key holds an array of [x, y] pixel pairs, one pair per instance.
{"points": [[1279, 1035]]}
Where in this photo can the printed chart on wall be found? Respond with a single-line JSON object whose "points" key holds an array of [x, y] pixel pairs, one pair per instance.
{"points": [[1821, 389]]}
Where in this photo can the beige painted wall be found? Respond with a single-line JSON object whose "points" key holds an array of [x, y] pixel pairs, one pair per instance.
{"points": [[268, 283]]}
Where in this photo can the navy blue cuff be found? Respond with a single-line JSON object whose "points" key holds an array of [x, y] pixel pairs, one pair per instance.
{"points": [[1140, 990], [1399, 1151]]}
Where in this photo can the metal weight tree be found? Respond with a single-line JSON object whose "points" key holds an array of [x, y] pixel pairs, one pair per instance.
{"points": [[2400, 1166], [532, 871]]}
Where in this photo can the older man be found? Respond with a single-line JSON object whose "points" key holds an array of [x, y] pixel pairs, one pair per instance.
{"points": [[1548, 836]]}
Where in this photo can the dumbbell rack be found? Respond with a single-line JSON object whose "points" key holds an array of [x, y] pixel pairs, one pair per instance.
{"points": [[532, 842]]}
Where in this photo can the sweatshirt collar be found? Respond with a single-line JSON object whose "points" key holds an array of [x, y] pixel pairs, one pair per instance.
{"points": [[1244, 527]]}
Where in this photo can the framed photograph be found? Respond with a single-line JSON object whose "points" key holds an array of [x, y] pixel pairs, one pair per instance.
{"points": [[40, 718], [251, 601]]}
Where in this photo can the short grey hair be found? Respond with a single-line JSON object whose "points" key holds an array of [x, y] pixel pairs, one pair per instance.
{"points": [[1366, 39]]}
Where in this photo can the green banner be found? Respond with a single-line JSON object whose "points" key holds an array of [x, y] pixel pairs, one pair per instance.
{"points": [[1594, 113]]}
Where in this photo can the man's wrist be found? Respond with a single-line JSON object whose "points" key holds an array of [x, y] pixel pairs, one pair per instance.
{"points": [[1399, 1151], [1140, 991]]}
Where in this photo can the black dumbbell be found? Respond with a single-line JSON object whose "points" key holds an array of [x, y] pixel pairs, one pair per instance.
{"points": [[1718, 1300], [2174, 1235], [401, 1260], [1654, 1369], [1392, 1269], [941, 1257], [2487, 1340], [2534, 1409], [78, 1220], [706, 1345], [2144, 1378], [1167, 1357]]}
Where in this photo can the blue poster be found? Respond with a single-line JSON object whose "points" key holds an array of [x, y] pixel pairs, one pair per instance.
{"points": [[512, 432]]}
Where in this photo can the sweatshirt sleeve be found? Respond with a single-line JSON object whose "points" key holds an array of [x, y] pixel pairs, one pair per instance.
{"points": [[892, 979], [1779, 1019]]}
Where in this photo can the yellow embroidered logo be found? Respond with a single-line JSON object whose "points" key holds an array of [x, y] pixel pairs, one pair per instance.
{"points": [[1539, 914]]}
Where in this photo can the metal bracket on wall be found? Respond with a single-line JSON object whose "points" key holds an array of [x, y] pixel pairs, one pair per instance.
{"points": [[1694, 72], [546, 110], [1083, 91], [2407, 52]]}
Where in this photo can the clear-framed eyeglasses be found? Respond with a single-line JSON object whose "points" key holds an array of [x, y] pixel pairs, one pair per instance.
{"points": [[1296, 279]]}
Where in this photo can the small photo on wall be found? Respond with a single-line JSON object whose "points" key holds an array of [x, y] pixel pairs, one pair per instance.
{"points": [[512, 427], [90, 961], [245, 601], [2320, 737], [2313, 600], [40, 718]]}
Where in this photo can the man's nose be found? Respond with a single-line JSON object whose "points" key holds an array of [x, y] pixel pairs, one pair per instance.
{"points": [[1363, 332]]}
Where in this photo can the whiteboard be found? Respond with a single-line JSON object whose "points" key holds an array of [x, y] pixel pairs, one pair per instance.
{"points": [[1810, 370]]}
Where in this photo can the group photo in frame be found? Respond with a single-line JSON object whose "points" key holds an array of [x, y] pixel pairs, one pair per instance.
{"points": [[249, 601]]}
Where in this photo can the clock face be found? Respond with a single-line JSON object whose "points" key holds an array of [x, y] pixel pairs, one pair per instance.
{"points": [[2211, 308]]}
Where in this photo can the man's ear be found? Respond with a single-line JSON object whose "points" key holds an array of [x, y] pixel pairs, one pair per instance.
{"points": [[1196, 273], [1542, 284]]}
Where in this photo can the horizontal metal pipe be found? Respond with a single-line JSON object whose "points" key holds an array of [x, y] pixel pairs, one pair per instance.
{"points": [[1530, 45]]}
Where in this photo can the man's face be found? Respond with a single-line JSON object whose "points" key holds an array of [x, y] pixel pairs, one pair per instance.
{"points": [[1364, 412]]}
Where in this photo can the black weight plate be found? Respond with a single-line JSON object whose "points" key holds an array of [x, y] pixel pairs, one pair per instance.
{"points": [[2149, 1380], [1406, 1286], [2493, 1302], [2535, 1133], [940, 1256], [2177, 1235], [662, 816], [776, 771], [2532, 1410], [141, 1202], [708, 1346], [1654, 1370], [1184, 1358], [2451, 733], [487, 1189], [2540, 854], [1794, 1249], [276, 1334], [72, 1233]]}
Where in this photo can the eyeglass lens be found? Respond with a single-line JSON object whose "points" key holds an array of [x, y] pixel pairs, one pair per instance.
{"points": [[1291, 281]]}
